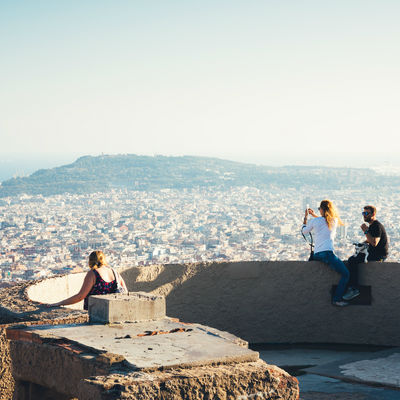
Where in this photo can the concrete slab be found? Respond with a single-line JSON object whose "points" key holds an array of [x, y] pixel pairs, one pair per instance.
{"points": [[380, 368], [173, 344], [296, 357], [319, 387]]}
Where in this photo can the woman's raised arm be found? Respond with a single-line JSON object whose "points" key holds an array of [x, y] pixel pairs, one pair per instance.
{"points": [[87, 285]]}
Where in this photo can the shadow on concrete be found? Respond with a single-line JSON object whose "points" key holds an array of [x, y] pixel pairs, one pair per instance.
{"points": [[159, 277]]}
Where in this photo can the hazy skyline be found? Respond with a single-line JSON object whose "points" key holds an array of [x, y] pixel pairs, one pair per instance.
{"points": [[288, 82]]}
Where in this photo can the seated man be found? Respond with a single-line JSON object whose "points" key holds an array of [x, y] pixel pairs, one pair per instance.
{"points": [[378, 245]]}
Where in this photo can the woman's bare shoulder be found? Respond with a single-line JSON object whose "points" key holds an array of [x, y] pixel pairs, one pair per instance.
{"points": [[90, 275]]}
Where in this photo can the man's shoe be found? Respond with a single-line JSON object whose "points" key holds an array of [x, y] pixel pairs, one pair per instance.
{"points": [[351, 293], [340, 303]]}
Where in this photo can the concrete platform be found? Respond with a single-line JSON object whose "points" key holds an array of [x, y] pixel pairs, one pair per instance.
{"points": [[165, 343], [378, 369], [295, 358]]}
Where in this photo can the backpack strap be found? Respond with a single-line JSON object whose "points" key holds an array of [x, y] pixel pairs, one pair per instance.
{"points": [[310, 243]]}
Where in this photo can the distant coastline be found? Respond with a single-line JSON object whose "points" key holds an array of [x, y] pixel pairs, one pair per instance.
{"points": [[151, 173], [22, 165]]}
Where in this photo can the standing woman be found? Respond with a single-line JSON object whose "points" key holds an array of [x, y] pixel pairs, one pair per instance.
{"points": [[99, 280], [324, 229]]}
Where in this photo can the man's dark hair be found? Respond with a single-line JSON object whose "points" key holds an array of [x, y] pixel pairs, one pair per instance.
{"points": [[371, 209]]}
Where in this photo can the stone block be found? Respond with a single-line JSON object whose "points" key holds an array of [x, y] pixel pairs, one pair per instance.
{"points": [[134, 306]]}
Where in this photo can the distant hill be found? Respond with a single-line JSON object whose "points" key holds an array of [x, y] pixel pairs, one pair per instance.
{"points": [[95, 174]]}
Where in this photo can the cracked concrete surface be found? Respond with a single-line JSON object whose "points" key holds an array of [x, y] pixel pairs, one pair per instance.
{"points": [[195, 345], [385, 370]]}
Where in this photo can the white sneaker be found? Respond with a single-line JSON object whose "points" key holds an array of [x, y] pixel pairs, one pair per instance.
{"points": [[340, 303], [351, 293]]}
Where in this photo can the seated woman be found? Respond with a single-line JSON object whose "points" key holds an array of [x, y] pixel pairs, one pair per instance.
{"points": [[99, 280], [324, 229]]}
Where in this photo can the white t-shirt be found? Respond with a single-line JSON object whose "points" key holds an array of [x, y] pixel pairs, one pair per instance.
{"points": [[323, 236]]}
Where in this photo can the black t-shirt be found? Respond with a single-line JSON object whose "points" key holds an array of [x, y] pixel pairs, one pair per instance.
{"points": [[376, 229]]}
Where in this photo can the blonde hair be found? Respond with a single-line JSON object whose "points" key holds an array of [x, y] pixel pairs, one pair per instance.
{"points": [[330, 213], [97, 259]]}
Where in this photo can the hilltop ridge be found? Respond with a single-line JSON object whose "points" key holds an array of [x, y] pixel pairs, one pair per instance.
{"points": [[129, 171]]}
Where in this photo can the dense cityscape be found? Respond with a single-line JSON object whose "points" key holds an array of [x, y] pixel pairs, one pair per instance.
{"points": [[42, 236]]}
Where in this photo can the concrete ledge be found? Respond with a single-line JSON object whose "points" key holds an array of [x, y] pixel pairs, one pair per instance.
{"points": [[133, 306], [277, 302], [17, 307], [56, 289], [262, 302]]}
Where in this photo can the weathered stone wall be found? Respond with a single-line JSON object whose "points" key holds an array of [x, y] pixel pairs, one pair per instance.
{"points": [[269, 302], [245, 381], [277, 302], [6, 379], [51, 367]]}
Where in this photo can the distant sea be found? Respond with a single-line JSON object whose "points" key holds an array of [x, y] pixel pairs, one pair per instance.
{"points": [[23, 165]]}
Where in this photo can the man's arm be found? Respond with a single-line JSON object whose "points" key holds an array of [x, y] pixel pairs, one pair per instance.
{"points": [[372, 236]]}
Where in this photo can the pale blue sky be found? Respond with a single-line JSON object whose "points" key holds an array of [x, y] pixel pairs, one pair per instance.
{"points": [[263, 81]]}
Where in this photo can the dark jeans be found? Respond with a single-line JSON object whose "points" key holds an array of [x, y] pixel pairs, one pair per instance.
{"points": [[352, 264], [329, 257]]}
